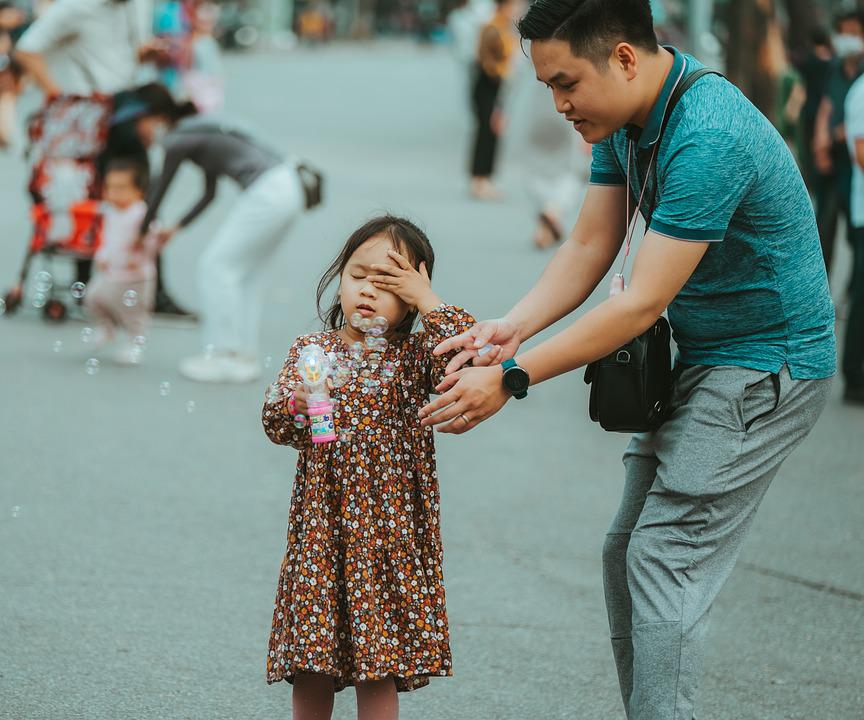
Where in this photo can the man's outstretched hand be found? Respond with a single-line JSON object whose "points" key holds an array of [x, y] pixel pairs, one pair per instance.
{"points": [[501, 334]]}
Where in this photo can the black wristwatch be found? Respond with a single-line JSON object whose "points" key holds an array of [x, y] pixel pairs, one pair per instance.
{"points": [[516, 380]]}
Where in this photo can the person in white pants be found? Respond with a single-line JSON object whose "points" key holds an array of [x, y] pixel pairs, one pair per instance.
{"points": [[232, 269]]}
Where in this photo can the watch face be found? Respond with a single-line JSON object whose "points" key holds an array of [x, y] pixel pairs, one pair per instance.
{"points": [[516, 380]]}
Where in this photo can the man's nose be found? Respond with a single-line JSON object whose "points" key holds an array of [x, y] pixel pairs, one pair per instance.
{"points": [[562, 104]]}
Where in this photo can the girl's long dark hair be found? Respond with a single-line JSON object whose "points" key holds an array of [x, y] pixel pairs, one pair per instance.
{"points": [[407, 238]]}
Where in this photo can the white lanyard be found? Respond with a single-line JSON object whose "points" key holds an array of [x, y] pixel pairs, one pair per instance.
{"points": [[617, 285]]}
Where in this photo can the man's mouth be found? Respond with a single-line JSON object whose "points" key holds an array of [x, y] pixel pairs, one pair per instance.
{"points": [[577, 122]]}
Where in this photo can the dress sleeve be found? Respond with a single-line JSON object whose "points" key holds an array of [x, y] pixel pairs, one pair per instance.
{"points": [[278, 424], [439, 324]]}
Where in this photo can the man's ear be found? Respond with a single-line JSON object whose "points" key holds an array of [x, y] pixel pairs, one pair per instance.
{"points": [[626, 57]]}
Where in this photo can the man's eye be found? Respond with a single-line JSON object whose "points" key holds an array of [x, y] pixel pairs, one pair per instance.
{"points": [[568, 87]]}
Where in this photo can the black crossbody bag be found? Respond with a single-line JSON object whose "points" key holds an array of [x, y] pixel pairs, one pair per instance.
{"points": [[630, 388]]}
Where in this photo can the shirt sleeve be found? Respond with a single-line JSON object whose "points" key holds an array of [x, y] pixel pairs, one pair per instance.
{"points": [[705, 179], [605, 169], [58, 23], [439, 324]]}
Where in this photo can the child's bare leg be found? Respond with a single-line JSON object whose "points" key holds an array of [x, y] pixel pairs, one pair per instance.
{"points": [[312, 698], [377, 700]]}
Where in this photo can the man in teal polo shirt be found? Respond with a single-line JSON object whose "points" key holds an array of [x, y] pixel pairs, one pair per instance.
{"points": [[732, 250]]}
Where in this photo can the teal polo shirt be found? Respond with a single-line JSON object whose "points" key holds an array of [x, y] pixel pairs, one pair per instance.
{"points": [[759, 298]]}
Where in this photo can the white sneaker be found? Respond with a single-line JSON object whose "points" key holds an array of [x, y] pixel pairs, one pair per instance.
{"points": [[220, 368]]}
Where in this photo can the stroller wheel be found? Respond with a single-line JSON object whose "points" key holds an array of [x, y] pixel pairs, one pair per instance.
{"points": [[13, 299], [54, 310]]}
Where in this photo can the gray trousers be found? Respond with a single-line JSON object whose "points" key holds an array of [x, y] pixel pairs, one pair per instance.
{"points": [[691, 492]]}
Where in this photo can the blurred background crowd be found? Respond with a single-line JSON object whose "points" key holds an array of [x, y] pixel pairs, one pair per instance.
{"points": [[796, 59]]}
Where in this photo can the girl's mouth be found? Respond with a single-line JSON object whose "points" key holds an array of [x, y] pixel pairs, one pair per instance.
{"points": [[366, 310]]}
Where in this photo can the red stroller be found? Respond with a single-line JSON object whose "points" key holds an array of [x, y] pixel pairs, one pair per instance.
{"points": [[66, 138]]}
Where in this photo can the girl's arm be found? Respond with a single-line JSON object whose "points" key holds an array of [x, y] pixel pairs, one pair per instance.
{"points": [[444, 321], [278, 422]]}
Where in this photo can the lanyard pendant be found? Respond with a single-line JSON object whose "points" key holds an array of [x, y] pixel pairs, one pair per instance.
{"points": [[616, 287]]}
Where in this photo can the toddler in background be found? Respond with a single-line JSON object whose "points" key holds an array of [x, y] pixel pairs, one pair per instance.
{"points": [[121, 294]]}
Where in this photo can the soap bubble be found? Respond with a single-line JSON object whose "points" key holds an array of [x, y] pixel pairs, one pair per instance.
{"points": [[57, 346], [87, 335], [139, 341], [268, 361], [365, 324], [16, 511], [39, 299], [376, 344], [165, 388], [43, 281], [299, 421], [341, 376], [130, 298], [357, 351], [2, 306], [356, 319], [92, 366], [190, 406], [78, 290], [388, 371], [379, 322], [209, 351], [345, 436]]}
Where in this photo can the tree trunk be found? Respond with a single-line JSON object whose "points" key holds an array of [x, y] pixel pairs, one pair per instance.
{"points": [[803, 20]]}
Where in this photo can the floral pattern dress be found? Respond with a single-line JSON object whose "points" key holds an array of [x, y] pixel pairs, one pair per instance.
{"points": [[361, 591]]}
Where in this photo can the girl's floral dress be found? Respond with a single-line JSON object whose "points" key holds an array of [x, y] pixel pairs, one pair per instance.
{"points": [[361, 592]]}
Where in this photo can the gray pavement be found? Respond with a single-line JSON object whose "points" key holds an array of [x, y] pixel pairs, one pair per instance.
{"points": [[140, 542]]}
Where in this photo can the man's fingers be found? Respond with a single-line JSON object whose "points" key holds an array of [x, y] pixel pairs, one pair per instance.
{"points": [[457, 341], [485, 334], [459, 361], [437, 404], [448, 382]]}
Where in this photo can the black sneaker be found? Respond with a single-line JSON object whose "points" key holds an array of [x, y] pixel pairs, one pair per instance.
{"points": [[166, 306], [854, 395]]}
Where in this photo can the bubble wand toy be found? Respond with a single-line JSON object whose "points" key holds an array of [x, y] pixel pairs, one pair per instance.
{"points": [[315, 368]]}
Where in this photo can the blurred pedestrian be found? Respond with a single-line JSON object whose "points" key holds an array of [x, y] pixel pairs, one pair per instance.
{"points": [[120, 295], [814, 70], [830, 153], [360, 599], [12, 24], [84, 47], [494, 56], [204, 81], [233, 267], [853, 344]]}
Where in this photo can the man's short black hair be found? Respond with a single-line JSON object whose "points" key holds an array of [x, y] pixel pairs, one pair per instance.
{"points": [[592, 28], [139, 172]]}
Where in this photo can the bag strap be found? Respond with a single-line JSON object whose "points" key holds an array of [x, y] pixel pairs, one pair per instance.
{"points": [[682, 88]]}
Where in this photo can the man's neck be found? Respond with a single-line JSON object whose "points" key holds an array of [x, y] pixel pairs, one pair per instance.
{"points": [[655, 70]]}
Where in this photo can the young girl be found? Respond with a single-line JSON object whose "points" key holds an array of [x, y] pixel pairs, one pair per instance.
{"points": [[360, 599]]}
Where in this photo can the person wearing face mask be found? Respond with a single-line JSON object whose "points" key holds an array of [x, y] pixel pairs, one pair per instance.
{"points": [[232, 269], [830, 156]]}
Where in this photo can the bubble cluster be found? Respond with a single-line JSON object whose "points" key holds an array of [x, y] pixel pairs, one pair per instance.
{"points": [[165, 388], [275, 393], [16, 511], [130, 298], [92, 366], [190, 406], [57, 346], [87, 335], [78, 290], [366, 356]]}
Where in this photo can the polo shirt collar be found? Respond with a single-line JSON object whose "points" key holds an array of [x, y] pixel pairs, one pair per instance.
{"points": [[649, 135]]}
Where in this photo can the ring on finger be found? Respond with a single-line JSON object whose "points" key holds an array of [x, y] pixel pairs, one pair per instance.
{"points": [[465, 418]]}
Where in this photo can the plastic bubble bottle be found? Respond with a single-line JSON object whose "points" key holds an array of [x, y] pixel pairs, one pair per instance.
{"points": [[315, 368]]}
